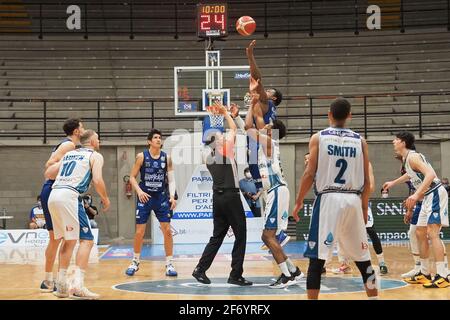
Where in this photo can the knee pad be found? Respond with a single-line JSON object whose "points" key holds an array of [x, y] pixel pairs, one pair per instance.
{"points": [[366, 270], [314, 274]]}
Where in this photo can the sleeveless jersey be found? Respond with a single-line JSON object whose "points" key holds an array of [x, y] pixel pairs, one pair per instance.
{"points": [[271, 114], [416, 178], [54, 150], [270, 168], [75, 172], [153, 173], [340, 166]]}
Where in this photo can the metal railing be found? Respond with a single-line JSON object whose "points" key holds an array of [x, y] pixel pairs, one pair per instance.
{"points": [[98, 112], [175, 19]]}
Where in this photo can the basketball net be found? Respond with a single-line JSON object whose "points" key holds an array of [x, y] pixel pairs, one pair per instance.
{"points": [[215, 118]]}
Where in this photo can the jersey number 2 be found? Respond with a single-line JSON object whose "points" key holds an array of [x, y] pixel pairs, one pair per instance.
{"points": [[341, 163], [68, 168]]}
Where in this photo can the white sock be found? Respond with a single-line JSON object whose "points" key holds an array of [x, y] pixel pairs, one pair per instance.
{"points": [[425, 266], [78, 275], [49, 276], [169, 260], [416, 262], [441, 269], [62, 275], [380, 258], [137, 256], [291, 266], [284, 269]]}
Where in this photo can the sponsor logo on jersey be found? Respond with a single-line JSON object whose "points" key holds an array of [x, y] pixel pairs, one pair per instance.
{"points": [[284, 216], [163, 165], [69, 228], [85, 229], [436, 214], [329, 240], [272, 220], [163, 158], [364, 245], [155, 164], [311, 244]]}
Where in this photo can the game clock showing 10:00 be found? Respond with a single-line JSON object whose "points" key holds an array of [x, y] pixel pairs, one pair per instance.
{"points": [[212, 20]]}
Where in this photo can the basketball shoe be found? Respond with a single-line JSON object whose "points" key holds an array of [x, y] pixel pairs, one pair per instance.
{"points": [[47, 286], [343, 269], [419, 278], [170, 270], [132, 268], [437, 282], [62, 290], [283, 282], [83, 294]]}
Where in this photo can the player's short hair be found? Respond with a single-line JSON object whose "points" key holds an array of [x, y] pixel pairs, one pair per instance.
{"points": [[70, 125], [340, 109], [278, 96], [247, 170], [408, 138], [38, 198], [86, 136], [152, 133], [306, 154], [279, 125]]}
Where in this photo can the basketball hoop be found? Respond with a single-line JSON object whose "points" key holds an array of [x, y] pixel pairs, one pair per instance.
{"points": [[215, 118]]}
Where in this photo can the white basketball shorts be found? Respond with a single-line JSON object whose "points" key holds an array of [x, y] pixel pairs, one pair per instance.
{"points": [[69, 218], [337, 217], [434, 208]]}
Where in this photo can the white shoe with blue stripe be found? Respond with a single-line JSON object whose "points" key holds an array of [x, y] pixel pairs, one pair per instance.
{"points": [[170, 270], [132, 268]]}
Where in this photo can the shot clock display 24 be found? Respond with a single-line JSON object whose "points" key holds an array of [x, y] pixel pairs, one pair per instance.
{"points": [[212, 20]]}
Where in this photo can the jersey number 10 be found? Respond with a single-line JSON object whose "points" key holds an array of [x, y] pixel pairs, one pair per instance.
{"points": [[68, 168]]}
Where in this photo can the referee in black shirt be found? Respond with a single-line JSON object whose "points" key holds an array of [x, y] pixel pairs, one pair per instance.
{"points": [[227, 206]]}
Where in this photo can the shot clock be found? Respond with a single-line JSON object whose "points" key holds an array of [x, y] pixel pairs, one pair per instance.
{"points": [[212, 20]]}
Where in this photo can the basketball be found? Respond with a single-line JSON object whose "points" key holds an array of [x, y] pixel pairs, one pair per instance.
{"points": [[245, 25]]}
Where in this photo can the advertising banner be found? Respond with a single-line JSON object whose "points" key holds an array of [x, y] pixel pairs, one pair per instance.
{"points": [[388, 217], [29, 237]]}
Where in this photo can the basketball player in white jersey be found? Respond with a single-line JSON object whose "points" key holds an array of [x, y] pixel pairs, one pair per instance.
{"points": [[339, 165], [73, 128], [276, 212], [71, 223], [433, 214], [411, 217]]}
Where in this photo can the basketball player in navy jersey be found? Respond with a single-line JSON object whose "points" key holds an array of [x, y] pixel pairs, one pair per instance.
{"points": [[339, 167], [73, 128], [154, 166], [264, 103]]}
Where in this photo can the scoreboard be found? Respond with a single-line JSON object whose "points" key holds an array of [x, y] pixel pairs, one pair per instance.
{"points": [[212, 20]]}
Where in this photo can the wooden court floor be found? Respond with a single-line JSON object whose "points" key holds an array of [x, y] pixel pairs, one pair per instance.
{"points": [[21, 281]]}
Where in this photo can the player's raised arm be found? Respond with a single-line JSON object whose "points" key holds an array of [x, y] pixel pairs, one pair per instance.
{"points": [[143, 196], [366, 190], [307, 179], [389, 184], [97, 179], [60, 152]]}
